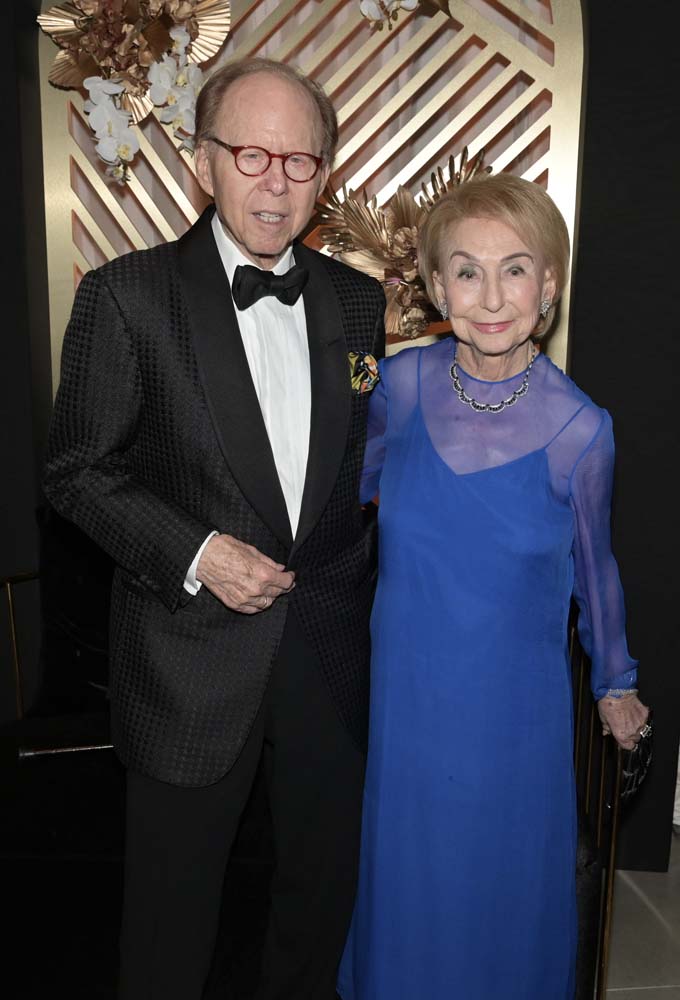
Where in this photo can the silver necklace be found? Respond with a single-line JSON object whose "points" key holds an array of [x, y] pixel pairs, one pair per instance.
{"points": [[491, 407]]}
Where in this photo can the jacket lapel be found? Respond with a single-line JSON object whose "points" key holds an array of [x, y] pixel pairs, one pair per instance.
{"points": [[226, 379], [331, 391]]}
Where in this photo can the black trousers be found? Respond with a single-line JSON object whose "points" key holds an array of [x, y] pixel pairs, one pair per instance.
{"points": [[178, 842]]}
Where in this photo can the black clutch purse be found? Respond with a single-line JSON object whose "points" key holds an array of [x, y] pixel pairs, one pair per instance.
{"points": [[635, 763]]}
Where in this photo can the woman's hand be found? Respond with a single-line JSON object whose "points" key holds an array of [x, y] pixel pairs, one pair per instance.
{"points": [[624, 718]]}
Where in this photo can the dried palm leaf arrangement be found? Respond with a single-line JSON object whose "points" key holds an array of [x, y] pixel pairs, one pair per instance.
{"points": [[382, 240]]}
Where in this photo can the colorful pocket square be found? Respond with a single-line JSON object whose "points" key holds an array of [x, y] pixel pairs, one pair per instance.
{"points": [[364, 372]]}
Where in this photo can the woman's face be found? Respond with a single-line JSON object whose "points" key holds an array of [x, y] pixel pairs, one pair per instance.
{"points": [[493, 284]]}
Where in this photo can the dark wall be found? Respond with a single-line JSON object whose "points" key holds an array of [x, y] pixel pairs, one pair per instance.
{"points": [[626, 355], [25, 393], [62, 619]]}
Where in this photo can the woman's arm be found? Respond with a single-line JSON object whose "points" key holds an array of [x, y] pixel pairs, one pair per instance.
{"points": [[598, 592]]}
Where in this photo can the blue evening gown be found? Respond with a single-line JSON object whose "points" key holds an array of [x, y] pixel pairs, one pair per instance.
{"points": [[488, 524]]}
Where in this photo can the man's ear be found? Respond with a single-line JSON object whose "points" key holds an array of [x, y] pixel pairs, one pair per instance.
{"points": [[324, 174], [204, 169]]}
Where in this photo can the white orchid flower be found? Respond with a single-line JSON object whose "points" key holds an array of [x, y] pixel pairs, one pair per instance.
{"points": [[128, 145], [371, 10], [106, 149], [190, 75], [100, 90], [106, 119], [121, 146], [171, 105], [180, 109], [118, 171], [185, 121], [117, 141], [162, 77], [384, 10], [181, 39]]}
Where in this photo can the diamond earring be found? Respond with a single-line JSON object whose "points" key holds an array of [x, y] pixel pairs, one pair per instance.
{"points": [[444, 310], [545, 306]]}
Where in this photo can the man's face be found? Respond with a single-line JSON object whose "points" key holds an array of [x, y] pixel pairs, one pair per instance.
{"points": [[263, 214]]}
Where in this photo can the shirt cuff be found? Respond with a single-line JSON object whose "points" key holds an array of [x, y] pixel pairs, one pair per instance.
{"points": [[191, 584]]}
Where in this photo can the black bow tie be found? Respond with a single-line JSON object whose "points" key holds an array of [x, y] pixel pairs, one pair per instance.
{"points": [[251, 284]]}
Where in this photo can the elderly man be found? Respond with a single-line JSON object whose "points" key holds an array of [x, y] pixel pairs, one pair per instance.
{"points": [[207, 434]]}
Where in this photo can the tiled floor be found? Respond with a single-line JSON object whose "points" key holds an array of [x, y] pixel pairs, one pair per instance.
{"points": [[645, 945]]}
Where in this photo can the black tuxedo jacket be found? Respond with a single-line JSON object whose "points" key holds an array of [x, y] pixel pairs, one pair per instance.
{"points": [[157, 438]]}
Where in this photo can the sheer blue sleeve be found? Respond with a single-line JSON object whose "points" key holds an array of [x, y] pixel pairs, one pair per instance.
{"points": [[597, 585], [375, 440]]}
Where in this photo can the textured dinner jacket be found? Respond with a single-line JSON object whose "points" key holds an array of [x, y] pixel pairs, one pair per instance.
{"points": [[157, 438]]}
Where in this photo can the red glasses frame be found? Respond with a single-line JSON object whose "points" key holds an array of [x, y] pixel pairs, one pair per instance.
{"points": [[284, 157]]}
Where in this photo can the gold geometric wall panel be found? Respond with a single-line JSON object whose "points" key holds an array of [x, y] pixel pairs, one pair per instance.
{"points": [[505, 75]]}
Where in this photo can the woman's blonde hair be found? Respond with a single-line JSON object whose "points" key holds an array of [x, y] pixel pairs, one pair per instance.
{"points": [[522, 205]]}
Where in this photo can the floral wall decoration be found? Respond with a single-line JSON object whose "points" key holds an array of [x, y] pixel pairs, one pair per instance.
{"points": [[381, 12], [134, 56], [382, 241]]}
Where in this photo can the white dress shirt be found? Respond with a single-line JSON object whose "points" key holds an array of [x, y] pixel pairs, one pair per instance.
{"points": [[275, 341]]}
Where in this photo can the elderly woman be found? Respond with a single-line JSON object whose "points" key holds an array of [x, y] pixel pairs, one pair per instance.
{"points": [[495, 474]]}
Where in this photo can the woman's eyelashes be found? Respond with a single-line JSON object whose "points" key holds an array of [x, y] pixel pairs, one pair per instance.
{"points": [[468, 273]]}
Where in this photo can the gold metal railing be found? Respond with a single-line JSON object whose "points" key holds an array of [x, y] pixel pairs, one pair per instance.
{"points": [[8, 583], [597, 765]]}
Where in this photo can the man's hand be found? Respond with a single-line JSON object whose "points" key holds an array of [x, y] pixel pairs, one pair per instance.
{"points": [[241, 576], [624, 718]]}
